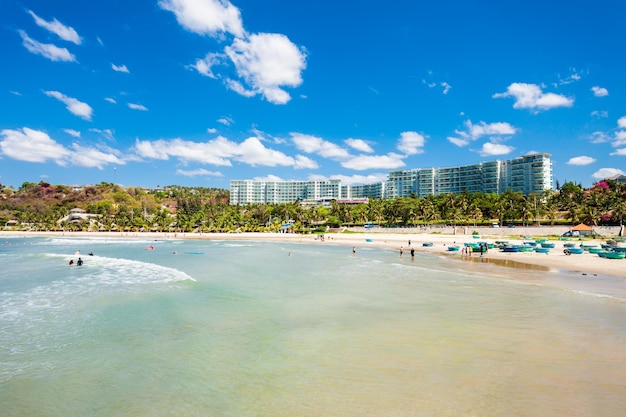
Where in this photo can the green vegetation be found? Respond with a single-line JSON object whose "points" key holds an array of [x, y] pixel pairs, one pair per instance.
{"points": [[173, 208]]}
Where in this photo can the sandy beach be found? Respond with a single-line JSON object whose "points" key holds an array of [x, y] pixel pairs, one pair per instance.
{"points": [[556, 260]]}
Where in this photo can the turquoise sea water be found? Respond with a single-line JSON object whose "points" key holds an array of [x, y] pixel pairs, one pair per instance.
{"points": [[232, 328]]}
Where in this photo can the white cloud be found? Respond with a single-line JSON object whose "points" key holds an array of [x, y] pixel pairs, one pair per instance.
{"points": [[359, 145], [303, 162], [72, 132], [205, 65], [110, 100], [491, 149], [446, 87], [135, 106], [268, 178], [120, 68], [489, 129], [599, 137], [604, 173], [581, 160], [77, 108], [90, 157], [619, 152], [199, 172], [52, 52], [364, 162], [206, 17], [621, 122], [600, 114], [106, 133], [32, 146], [620, 138], [266, 62], [313, 144], [411, 143], [458, 141], [64, 32], [599, 91], [530, 96], [211, 130], [219, 151], [36, 146], [226, 121]]}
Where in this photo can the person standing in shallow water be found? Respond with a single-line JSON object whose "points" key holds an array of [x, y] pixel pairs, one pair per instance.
{"points": [[353, 250], [401, 251], [412, 253]]}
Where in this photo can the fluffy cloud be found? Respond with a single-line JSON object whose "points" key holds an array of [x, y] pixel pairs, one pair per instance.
{"points": [[458, 141], [620, 138], [411, 143], [489, 129], [64, 32], [604, 173], [364, 162], [120, 68], [219, 151], [266, 62], [530, 96], [206, 17], [313, 144], [36, 146], [621, 122], [77, 108], [72, 132], [491, 149], [599, 91], [32, 146], [135, 106], [52, 52], [619, 152], [359, 145], [476, 131], [581, 160]]}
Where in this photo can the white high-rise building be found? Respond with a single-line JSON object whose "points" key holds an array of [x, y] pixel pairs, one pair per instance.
{"points": [[530, 174]]}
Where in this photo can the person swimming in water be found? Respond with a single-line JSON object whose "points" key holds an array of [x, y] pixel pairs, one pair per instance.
{"points": [[80, 262], [71, 262]]}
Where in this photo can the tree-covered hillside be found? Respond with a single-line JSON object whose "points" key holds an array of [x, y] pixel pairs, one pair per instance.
{"points": [[40, 207]]}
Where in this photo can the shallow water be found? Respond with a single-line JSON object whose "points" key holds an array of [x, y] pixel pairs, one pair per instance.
{"points": [[206, 328]]}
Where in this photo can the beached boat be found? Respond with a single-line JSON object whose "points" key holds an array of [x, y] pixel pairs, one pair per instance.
{"points": [[614, 255], [453, 248], [574, 251], [596, 250], [569, 245], [542, 250], [526, 248], [547, 245], [427, 244], [619, 249], [510, 249]]}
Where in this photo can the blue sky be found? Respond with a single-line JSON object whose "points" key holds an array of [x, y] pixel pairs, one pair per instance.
{"points": [[201, 92]]}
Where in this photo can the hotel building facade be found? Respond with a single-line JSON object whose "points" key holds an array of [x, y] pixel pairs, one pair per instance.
{"points": [[530, 174]]}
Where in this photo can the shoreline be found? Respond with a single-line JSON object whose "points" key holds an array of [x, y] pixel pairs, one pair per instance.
{"points": [[555, 260]]}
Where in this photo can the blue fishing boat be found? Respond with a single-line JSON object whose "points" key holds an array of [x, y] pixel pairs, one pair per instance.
{"points": [[547, 245], [453, 248], [542, 250], [615, 255], [427, 244], [510, 249], [574, 251]]}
